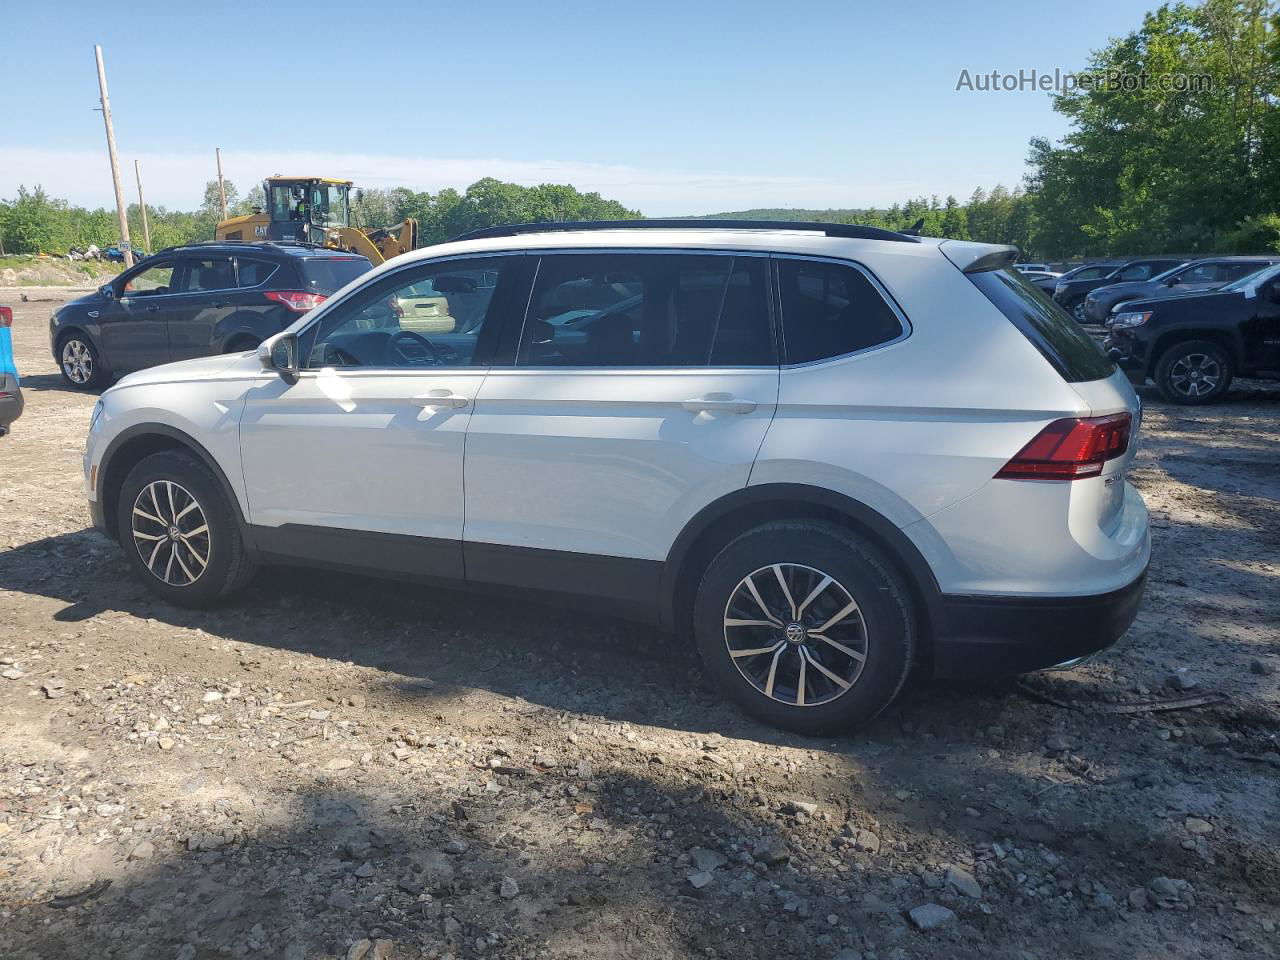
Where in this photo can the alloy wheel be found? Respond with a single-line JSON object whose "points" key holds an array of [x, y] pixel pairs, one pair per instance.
{"points": [[1078, 312], [77, 361], [1195, 375], [171, 533], [795, 634]]}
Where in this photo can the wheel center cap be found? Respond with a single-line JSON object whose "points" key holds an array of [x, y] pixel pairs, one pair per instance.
{"points": [[174, 534], [795, 633]]}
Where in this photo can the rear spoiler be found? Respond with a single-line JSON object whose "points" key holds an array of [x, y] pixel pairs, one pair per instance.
{"points": [[978, 257]]}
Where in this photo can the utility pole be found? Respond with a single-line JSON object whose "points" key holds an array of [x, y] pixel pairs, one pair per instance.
{"points": [[222, 193], [121, 215], [142, 205]]}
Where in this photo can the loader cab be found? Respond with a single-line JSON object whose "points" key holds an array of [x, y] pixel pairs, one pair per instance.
{"points": [[304, 208]]}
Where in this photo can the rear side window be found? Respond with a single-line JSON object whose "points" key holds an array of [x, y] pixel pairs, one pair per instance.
{"points": [[327, 274], [1071, 351], [254, 272], [830, 310], [648, 310], [208, 273]]}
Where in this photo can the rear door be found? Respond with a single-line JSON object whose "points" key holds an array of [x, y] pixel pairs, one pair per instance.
{"points": [[135, 333], [642, 387], [205, 297]]}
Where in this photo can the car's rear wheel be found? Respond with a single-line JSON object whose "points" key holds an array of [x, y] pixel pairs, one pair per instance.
{"points": [[1077, 312], [805, 626], [79, 362], [179, 532], [1193, 372]]}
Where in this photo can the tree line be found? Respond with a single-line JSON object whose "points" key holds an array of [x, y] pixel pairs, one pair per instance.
{"points": [[34, 222], [1149, 167]]}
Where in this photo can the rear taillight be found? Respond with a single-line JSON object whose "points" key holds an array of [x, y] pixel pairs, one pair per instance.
{"points": [[1070, 449], [6, 316], [298, 301]]}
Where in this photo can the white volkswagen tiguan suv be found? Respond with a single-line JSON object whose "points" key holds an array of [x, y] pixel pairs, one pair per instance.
{"points": [[825, 454]]}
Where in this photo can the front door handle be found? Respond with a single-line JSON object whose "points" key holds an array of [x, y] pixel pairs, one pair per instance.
{"points": [[441, 398], [153, 308], [719, 403]]}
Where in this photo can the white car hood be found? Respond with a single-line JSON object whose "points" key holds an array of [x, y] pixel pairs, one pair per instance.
{"points": [[230, 366]]}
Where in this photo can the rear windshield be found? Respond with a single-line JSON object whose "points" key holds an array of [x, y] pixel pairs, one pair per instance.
{"points": [[327, 274], [1073, 353]]}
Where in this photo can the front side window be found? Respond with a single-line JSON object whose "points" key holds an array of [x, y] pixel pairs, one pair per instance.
{"points": [[433, 316], [648, 310], [1202, 273], [154, 280], [1090, 273], [830, 310], [208, 273]]}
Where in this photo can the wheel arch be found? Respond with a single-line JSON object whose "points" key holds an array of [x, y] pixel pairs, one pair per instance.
{"points": [[1227, 339], [718, 523], [137, 443]]}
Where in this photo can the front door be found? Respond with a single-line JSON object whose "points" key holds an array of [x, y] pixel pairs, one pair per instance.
{"points": [[134, 327], [360, 460], [205, 297], [1261, 330], [642, 388]]}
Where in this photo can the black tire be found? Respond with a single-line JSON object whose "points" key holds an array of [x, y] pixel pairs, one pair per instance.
{"points": [[805, 551], [227, 565], [1193, 372], [80, 363]]}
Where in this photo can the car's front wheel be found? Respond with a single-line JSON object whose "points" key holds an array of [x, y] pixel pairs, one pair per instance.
{"points": [[79, 362], [179, 532], [805, 626], [1077, 312], [1193, 372]]}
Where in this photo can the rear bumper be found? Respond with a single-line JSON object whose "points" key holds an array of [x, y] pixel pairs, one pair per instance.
{"points": [[980, 636], [10, 401]]}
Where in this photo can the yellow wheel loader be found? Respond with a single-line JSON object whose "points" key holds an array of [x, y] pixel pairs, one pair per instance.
{"points": [[318, 210]]}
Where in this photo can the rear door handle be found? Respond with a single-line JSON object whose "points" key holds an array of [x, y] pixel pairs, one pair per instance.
{"points": [[441, 398], [719, 403]]}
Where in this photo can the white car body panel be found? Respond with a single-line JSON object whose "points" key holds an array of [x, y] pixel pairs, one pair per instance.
{"points": [[607, 461]]}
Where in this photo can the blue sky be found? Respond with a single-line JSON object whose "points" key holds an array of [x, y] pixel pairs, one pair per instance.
{"points": [[672, 107]]}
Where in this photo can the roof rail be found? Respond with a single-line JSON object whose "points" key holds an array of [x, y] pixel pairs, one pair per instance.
{"points": [[846, 230]]}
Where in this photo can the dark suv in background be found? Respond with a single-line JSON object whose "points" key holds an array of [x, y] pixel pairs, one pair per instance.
{"points": [[1193, 346], [193, 301], [1071, 290]]}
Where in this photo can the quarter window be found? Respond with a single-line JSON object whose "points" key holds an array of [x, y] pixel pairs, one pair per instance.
{"points": [[648, 310], [209, 273], [423, 318], [254, 272], [829, 310]]}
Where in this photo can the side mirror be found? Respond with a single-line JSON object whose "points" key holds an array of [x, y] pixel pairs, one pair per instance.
{"points": [[1172, 281], [280, 353], [107, 291]]}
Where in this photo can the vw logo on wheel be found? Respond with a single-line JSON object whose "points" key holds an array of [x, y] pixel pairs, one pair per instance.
{"points": [[795, 632]]}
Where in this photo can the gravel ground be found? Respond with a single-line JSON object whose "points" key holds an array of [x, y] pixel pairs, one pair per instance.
{"points": [[332, 767]]}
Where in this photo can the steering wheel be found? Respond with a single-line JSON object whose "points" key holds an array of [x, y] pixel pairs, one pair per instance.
{"points": [[413, 348]]}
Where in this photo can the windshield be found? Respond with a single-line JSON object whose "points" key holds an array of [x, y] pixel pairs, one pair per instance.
{"points": [[329, 204], [324, 204], [1170, 272], [1249, 279]]}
